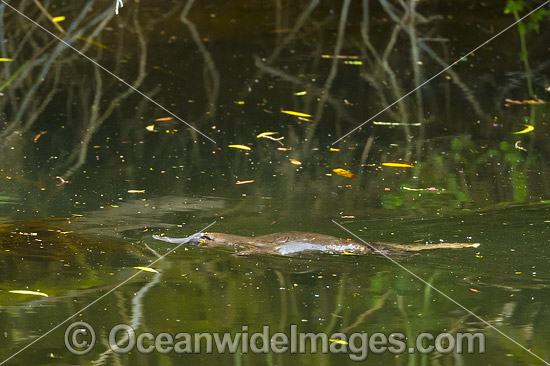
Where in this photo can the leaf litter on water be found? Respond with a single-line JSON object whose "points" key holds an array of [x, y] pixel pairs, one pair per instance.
{"points": [[269, 136], [26, 292], [297, 114], [242, 147], [398, 165], [527, 129], [147, 269], [344, 173]]}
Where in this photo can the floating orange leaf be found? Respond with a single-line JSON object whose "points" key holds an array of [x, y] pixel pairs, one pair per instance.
{"points": [[344, 173], [398, 165], [162, 119], [295, 161], [35, 140], [242, 147], [245, 181], [513, 101], [523, 102]]}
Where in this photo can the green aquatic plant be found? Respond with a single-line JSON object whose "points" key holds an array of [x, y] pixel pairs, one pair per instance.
{"points": [[515, 7]]}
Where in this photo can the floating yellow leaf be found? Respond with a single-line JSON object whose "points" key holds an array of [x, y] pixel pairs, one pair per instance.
{"points": [[398, 165], [147, 269], [3, 59], [301, 93], [242, 147], [334, 149], [527, 129], [295, 161], [342, 57], [284, 148], [297, 114], [353, 62], [239, 102], [58, 19], [268, 135], [264, 134], [150, 128], [25, 292], [338, 341], [344, 173]]}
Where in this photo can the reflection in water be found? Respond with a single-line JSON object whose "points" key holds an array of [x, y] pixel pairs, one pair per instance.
{"points": [[135, 321], [130, 172], [77, 158], [208, 289]]}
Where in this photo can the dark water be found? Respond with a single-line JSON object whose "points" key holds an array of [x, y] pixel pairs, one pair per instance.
{"points": [[87, 175]]}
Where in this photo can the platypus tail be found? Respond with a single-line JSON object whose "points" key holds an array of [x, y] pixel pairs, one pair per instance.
{"points": [[417, 247]]}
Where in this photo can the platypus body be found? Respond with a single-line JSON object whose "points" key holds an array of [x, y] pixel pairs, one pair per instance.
{"points": [[298, 243]]}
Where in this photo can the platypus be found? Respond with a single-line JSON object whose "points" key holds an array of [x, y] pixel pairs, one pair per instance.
{"points": [[297, 243]]}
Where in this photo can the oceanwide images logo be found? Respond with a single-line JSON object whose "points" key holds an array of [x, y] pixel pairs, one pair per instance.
{"points": [[80, 339]]}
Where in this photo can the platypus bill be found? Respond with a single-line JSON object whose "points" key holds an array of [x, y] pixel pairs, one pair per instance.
{"points": [[297, 243]]}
